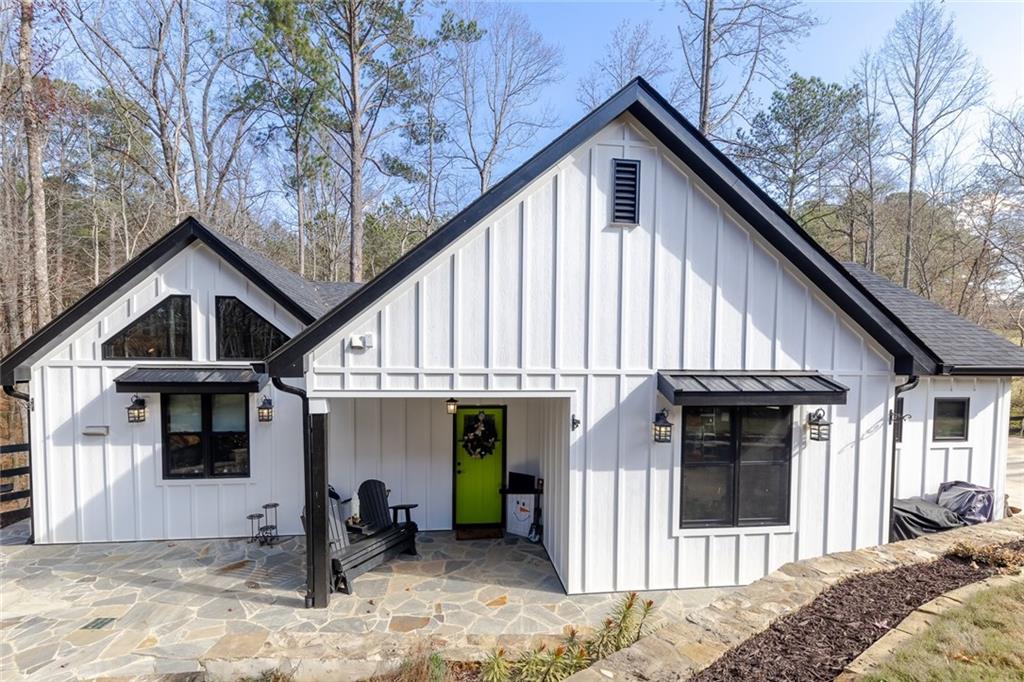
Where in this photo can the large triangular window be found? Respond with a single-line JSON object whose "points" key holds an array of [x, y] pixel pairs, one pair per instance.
{"points": [[242, 333], [163, 332]]}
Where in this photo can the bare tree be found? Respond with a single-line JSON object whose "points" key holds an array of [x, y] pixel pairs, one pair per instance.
{"points": [[931, 80], [634, 50], [1004, 142], [170, 67], [34, 141], [499, 80], [746, 38], [870, 145]]}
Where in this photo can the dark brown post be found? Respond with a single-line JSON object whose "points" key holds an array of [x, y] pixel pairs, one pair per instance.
{"points": [[318, 594]]}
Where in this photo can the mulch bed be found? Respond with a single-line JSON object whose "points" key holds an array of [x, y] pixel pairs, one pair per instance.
{"points": [[819, 640]]}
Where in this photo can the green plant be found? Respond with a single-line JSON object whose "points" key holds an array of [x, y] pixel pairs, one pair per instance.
{"points": [[268, 676], [421, 666], [624, 626]]}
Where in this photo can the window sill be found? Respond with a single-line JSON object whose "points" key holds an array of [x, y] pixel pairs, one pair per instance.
{"points": [[213, 480], [719, 531]]}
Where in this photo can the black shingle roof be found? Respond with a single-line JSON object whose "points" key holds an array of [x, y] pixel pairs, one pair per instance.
{"points": [[957, 342], [316, 298]]}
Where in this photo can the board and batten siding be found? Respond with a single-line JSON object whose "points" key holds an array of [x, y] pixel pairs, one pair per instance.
{"points": [[407, 443], [543, 295], [111, 488], [924, 463]]}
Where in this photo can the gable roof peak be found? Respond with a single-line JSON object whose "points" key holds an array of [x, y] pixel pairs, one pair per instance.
{"points": [[685, 141]]}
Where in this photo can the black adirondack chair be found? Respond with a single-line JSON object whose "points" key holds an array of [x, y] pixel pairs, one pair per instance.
{"points": [[380, 539]]}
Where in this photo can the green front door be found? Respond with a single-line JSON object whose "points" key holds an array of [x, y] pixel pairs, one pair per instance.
{"points": [[479, 464]]}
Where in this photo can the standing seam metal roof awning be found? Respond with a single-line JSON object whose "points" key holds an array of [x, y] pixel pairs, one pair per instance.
{"points": [[227, 379], [724, 388]]}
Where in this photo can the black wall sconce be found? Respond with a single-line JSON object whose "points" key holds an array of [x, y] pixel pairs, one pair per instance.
{"points": [[574, 422], [137, 410], [451, 405], [265, 410], [820, 428], [661, 428]]}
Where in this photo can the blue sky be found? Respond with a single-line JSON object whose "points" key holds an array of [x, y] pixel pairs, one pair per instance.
{"points": [[993, 31]]}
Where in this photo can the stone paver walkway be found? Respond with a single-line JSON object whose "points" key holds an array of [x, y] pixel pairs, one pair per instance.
{"points": [[227, 606]]}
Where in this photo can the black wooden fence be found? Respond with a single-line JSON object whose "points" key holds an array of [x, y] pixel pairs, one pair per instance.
{"points": [[8, 485]]}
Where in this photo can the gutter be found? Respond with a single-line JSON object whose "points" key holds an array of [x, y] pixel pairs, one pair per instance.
{"points": [[909, 385], [306, 460], [29, 403]]}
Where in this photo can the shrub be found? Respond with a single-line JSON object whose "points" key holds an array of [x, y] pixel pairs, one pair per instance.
{"points": [[996, 556], [421, 666], [623, 626]]}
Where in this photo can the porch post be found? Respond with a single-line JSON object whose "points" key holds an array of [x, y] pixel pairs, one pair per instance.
{"points": [[318, 594]]}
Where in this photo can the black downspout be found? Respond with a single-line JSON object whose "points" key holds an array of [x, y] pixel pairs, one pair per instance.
{"points": [[21, 395], [318, 593], [908, 385]]}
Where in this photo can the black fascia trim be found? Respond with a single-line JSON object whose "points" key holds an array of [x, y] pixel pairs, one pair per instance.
{"points": [[644, 103], [187, 387], [151, 258], [155, 255], [986, 370], [286, 361], [747, 199]]}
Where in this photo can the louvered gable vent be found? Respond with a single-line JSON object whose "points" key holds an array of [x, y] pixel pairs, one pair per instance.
{"points": [[626, 197]]}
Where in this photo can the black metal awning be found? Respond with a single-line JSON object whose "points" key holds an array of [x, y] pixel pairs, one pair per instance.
{"points": [[723, 388], [208, 379]]}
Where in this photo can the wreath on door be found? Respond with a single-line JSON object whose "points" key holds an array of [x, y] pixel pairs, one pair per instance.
{"points": [[479, 435]]}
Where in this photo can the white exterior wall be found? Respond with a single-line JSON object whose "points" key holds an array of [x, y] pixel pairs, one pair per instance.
{"points": [[407, 443], [544, 296], [108, 488], [925, 463]]}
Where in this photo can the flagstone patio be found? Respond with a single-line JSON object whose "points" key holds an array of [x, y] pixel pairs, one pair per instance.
{"points": [[229, 607]]}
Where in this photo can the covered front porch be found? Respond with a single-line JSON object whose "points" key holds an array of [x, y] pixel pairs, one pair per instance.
{"points": [[453, 458], [233, 607]]}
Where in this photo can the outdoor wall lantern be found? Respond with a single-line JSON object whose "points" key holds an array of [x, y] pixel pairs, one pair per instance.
{"points": [[819, 427], [575, 423], [265, 410], [451, 405], [662, 427], [137, 410]]}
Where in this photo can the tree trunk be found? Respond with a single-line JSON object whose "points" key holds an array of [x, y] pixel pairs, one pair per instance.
{"points": [[705, 68], [909, 227], [300, 201], [355, 249], [34, 148]]}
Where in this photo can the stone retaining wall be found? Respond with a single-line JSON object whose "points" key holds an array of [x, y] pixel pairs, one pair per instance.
{"points": [[680, 649]]}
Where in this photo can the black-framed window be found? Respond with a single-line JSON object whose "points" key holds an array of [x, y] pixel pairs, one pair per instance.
{"points": [[205, 435], [950, 418], [736, 466], [164, 332], [897, 421], [244, 334]]}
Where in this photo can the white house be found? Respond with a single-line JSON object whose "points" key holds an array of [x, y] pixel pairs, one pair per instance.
{"points": [[627, 275]]}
